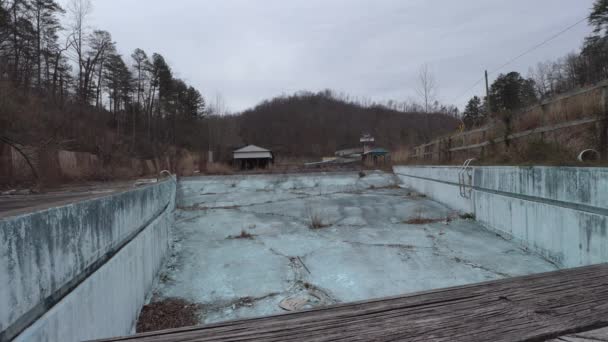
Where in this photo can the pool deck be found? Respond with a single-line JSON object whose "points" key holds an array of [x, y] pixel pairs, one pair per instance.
{"points": [[566, 305], [19, 204]]}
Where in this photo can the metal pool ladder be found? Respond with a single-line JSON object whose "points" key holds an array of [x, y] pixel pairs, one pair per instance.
{"points": [[465, 179]]}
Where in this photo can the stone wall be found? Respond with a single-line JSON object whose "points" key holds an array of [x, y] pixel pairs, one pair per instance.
{"points": [[57, 166]]}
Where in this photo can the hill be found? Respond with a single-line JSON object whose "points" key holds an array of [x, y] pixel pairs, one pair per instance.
{"points": [[318, 124]]}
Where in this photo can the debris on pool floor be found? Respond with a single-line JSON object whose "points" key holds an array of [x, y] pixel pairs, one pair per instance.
{"points": [[261, 245]]}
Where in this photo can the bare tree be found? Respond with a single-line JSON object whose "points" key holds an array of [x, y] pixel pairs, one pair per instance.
{"points": [[101, 45], [426, 87], [542, 78], [218, 106], [78, 11]]}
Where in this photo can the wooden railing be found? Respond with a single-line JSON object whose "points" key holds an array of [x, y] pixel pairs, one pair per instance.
{"points": [[580, 108]]}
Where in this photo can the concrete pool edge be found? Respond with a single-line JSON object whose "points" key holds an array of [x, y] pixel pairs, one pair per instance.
{"points": [[516, 203], [64, 251], [557, 212]]}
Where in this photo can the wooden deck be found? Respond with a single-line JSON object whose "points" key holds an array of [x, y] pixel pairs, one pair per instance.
{"points": [[564, 305]]}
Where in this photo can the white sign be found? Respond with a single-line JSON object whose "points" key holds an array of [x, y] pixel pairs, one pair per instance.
{"points": [[367, 139]]}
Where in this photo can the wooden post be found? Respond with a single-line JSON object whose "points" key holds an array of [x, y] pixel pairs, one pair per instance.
{"points": [[489, 109], [604, 125], [543, 108]]}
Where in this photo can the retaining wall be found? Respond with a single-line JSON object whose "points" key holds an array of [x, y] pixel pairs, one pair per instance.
{"points": [[82, 271], [56, 165], [558, 212]]}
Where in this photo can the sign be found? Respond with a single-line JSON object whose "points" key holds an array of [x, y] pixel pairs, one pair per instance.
{"points": [[367, 139]]}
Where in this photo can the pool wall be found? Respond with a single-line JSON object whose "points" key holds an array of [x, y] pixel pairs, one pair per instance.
{"points": [[558, 212], [83, 270]]}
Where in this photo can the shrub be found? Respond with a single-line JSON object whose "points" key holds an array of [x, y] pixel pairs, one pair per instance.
{"points": [[245, 235], [315, 220], [219, 169]]}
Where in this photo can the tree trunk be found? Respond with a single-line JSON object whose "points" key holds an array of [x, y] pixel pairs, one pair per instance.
{"points": [[99, 78], [38, 49]]}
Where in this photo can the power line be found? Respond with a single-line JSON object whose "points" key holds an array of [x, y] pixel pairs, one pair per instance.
{"points": [[540, 45], [553, 37]]}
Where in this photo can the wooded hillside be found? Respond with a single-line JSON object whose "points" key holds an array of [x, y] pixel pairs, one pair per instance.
{"points": [[65, 86], [318, 124]]}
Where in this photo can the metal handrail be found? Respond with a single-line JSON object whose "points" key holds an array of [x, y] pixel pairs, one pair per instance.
{"points": [[465, 174]]}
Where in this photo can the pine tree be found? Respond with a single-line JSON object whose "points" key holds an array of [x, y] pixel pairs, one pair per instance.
{"points": [[599, 17], [46, 24], [140, 59], [163, 79], [473, 113], [511, 92]]}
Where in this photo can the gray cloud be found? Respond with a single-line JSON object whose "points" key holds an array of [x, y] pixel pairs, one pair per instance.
{"points": [[251, 50]]}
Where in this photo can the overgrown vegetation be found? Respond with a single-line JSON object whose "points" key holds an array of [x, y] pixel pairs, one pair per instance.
{"points": [[467, 216], [244, 235], [218, 169], [317, 124], [422, 220], [170, 313], [68, 87], [315, 219], [511, 92], [64, 85], [534, 152]]}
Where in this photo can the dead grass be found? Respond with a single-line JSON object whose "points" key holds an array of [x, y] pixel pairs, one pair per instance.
{"points": [[315, 220], [586, 105], [170, 313], [422, 220], [203, 208], [219, 169], [528, 121], [401, 155], [414, 195], [533, 152], [245, 235], [467, 216]]}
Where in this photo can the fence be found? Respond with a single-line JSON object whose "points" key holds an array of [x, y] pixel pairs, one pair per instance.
{"points": [[578, 119]]}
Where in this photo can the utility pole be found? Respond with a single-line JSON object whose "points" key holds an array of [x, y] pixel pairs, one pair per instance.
{"points": [[489, 109], [209, 151]]}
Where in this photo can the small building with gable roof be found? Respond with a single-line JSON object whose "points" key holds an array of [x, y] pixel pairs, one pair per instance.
{"points": [[251, 157]]}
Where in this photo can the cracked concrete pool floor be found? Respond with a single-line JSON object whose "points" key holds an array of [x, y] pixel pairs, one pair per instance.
{"points": [[243, 245]]}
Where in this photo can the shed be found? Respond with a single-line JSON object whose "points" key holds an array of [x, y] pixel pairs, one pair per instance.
{"points": [[251, 156], [375, 154]]}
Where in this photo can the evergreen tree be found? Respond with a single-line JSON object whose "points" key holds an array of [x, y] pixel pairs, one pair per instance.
{"points": [[141, 62], [4, 23], [473, 113], [118, 82], [599, 17], [194, 103], [46, 24], [163, 80], [512, 92], [595, 49]]}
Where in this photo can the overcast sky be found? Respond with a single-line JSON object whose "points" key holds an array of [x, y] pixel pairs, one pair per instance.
{"points": [[251, 50]]}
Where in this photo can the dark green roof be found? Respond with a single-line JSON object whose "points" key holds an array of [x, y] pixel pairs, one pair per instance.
{"points": [[377, 152]]}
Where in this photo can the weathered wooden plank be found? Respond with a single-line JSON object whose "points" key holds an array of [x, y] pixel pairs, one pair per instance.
{"points": [[531, 308], [599, 335]]}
